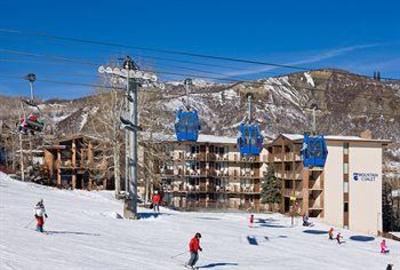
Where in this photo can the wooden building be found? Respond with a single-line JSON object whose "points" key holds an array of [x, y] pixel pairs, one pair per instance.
{"points": [[209, 173], [78, 162]]}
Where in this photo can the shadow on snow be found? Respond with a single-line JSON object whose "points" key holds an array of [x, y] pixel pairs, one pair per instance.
{"points": [[211, 265], [315, 232], [145, 215], [252, 240], [362, 238], [75, 233]]}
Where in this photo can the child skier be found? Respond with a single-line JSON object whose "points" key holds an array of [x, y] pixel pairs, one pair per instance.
{"points": [[306, 223], [384, 248], [338, 238], [40, 213], [251, 221], [156, 201], [194, 247], [330, 233]]}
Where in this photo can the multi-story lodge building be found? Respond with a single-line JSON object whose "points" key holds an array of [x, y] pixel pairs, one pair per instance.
{"points": [[346, 193], [210, 173]]}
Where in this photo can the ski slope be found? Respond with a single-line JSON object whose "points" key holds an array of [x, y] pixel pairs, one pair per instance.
{"points": [[85, 233]]}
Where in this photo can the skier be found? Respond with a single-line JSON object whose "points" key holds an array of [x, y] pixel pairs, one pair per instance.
{"points": [[194, 247], [389, 267], [40, 213], [156, 201], [384, 249], [338, 238], [251, 221], [330, 233], [306, 223]]}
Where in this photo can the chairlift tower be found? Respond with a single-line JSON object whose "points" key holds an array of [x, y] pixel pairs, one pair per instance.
{"points": [[134, 78]]}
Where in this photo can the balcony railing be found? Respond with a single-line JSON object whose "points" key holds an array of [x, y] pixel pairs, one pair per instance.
{"points": [[290, 193], [314, 204]]}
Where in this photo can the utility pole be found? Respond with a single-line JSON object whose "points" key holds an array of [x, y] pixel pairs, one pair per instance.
{"points": [[134, 77]]}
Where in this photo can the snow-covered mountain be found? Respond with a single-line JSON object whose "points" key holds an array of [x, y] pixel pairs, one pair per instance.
{"points": [[84, 231]]}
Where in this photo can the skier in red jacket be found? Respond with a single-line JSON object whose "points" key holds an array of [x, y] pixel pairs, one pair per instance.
{"points": [[156, 201], [194, 247]]}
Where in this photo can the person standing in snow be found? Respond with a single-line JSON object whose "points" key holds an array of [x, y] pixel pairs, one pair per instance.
{"points": [[384, 248], [306, 223], [330, 233], [156, 201], [251, 221], [194, 247], [40, 214]]}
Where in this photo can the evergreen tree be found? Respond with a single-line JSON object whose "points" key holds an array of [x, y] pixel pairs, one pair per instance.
{"points": [[271, 187]]}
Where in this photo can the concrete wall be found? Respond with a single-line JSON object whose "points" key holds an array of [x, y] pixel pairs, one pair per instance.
{"points": [[333, 188], [365, 203]]}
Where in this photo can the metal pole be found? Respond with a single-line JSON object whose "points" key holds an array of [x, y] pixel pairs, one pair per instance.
{"points": [[127, 136], [249, 103], [21, 157], [131, 202], [32, 96], [314, 126], [126, 161], [187, 83], [133, 153]]}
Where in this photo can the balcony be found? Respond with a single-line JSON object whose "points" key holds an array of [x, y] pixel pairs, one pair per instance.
{"points": [[212, 157], [278, 157], [315, 205], [288, 156], [196, 172], [167, 172], [196, 156], [292, 193], [315, 185]]}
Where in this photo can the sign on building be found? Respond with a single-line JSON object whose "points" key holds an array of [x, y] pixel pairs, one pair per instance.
{"points": [[365, 177]]}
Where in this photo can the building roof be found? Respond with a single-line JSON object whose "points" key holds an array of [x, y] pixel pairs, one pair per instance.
{"points": [[203, 138], [299, 138]]}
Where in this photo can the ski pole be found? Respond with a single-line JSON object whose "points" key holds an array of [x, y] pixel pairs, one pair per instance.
{"points": [[178, 255], [30, 222]]}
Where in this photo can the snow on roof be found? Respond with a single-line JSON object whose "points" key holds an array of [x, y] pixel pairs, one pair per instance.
{"points": [[299, 137], [203, 138]]}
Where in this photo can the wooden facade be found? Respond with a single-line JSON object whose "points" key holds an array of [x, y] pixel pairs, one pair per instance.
{"points": [[77, 162], [212, 175], [302, 188]]}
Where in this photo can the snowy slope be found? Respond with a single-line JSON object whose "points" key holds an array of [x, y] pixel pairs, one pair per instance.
{"points": [[84, 233]]}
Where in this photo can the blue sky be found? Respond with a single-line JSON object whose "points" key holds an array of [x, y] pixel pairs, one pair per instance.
{"points": [[359, 36]]}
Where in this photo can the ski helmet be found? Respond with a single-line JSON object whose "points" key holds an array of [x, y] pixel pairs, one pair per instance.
{"points": [[198, 235]]}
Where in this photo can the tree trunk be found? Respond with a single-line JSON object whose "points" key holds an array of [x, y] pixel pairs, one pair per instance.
{"points": [[117, 172]]}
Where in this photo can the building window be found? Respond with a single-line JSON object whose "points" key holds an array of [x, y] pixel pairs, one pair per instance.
{"points": [[288, 166], [346, 207], [195, 149], [345, 168], [346, 148], [346, 187]]}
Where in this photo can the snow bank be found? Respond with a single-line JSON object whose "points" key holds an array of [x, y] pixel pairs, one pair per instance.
{"points": [[309, 79], [85, 233]]}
